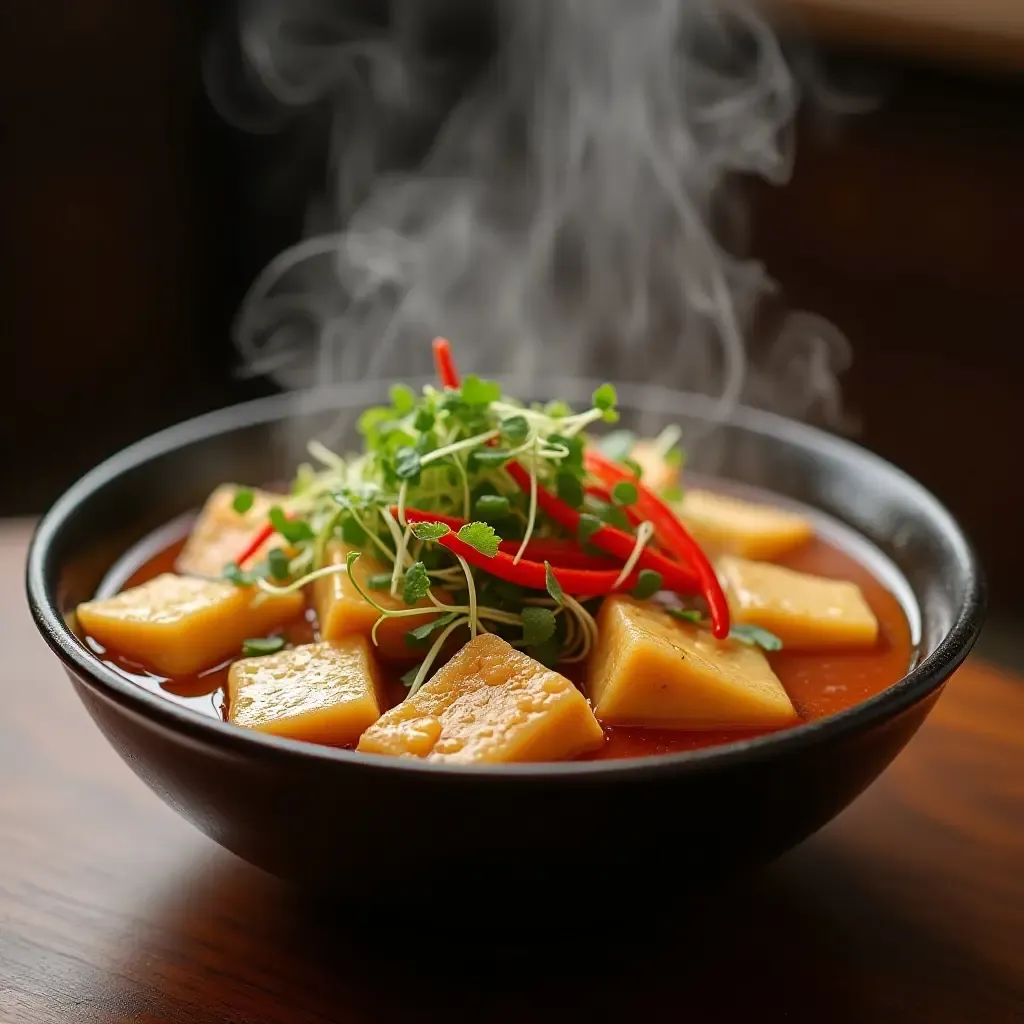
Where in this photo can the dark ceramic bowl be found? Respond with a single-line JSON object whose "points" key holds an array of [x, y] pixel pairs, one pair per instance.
{"points": [[640, 828]]}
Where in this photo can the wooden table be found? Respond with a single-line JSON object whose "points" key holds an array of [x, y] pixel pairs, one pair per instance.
{"points": [[910, 907]]}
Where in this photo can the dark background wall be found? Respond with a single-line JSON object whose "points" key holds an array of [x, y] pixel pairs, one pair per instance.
{"points": [[133, 220]]}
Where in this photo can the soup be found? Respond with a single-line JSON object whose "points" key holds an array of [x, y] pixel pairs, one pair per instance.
{"points": [[491, 582]]}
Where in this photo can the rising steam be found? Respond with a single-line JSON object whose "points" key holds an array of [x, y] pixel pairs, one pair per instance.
{"points": [[569, 204]]}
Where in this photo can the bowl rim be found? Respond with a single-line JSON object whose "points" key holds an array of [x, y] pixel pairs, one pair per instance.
{"points": [[927, 675]]}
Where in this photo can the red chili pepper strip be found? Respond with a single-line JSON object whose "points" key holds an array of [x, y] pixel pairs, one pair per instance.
{"points": [[261, 537], [672, 534], [564, 553], [676, 577], [533, 575], [445, 364]]}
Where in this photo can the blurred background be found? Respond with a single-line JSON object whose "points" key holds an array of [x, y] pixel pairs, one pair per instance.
{"points": [[134, 219]]}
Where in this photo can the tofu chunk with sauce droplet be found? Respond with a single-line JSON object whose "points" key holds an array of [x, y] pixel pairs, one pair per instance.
{"points": [[343, 612], [221, 534], [323, 693], [651, 669], [490, 704], [180, 625], [805, 612], [731, 526]]}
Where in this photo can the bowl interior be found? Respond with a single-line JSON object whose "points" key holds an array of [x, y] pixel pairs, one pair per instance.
{"points": [[924, 556]]}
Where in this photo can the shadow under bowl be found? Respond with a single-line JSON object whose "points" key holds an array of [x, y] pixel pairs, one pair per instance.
{"points": [[352, 824]]}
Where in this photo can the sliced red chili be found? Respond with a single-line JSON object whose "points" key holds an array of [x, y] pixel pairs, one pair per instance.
{"points": [[445, 364], [675, 577], [671, 533], [565, 553], [259, 539], [533, 575]]}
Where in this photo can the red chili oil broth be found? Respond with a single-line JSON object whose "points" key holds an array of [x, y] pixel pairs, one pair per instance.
{"points": [[819, 683]]}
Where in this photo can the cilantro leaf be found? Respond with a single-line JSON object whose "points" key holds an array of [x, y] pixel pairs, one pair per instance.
{"points": [[243, 500], [624, 493], [480, 536], [538, 625], [479, 392], [648, 584], [515, 428], [416, 583], [420, 633], [260, 646], [430, 531], [672, 493], [424, 419], [755, 636], [553, 586]]}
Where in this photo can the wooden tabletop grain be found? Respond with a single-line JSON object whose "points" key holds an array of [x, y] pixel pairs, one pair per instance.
{"points": [[909, 907]]}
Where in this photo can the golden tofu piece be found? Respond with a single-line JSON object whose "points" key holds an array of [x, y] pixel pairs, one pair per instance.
{"points": [[655, 472], [221, 534], [731, 526], [490, 704], [805, 612], [650, 669], [323, 693], [179, 625], [343, 612]]}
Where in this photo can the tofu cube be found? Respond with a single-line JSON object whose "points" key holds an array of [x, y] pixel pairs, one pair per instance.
{"points": [[490, 704], [731, 526], [656, 472], [343, 612], [650, 669], [806, 612], [179, 625], [323, 693], [220, 533]]}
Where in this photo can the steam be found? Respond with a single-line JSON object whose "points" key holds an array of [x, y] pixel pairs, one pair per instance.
{"points": [[570, 205]]}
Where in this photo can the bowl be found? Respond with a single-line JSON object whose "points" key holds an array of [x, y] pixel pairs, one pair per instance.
{"points": [[642, 829]]}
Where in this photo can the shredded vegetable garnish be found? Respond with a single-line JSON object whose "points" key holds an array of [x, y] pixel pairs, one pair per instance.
{"points": [[481, 513]]}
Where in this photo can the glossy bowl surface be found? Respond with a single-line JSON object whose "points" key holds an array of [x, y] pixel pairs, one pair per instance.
{"points": [[650, 826]]}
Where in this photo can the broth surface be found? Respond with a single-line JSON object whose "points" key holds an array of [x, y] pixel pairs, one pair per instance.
{"points": [[819, 683]]}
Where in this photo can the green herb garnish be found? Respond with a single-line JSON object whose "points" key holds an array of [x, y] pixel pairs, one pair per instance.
{"points": [[624, 493], [260, 646], [415, 583], [648, 584], [480, 536], [755, 636], [554, 588], [538, 625], [243, 500]]}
